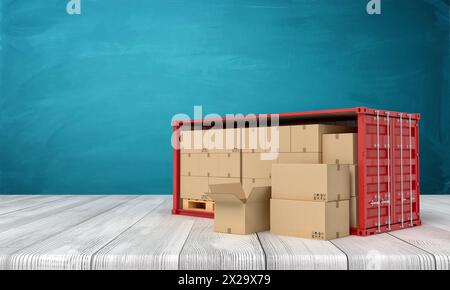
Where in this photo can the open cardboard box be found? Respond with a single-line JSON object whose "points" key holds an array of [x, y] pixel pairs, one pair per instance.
{"points": [[240, 212]]}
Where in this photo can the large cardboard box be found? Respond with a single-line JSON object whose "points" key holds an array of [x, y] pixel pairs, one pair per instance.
{"points": [[354, 212], [194, 187], [309, 219], [340, 148], [254, 167], [308, 138], [240, 212], [308, 157], [311, 182]]}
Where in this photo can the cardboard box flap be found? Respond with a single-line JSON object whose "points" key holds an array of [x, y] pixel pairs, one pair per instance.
{"points": [[261, 193], [225, 198], [234, 191]]}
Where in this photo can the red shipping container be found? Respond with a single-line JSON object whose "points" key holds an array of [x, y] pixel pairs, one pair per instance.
{"points": [[388, 164]]}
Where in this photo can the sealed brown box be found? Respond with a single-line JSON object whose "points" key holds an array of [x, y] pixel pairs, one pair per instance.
{"points": [[278, 139], [340, 148], [252, 139], [308, 138], [196, 164], [307, 157], [254, 167], [211, 164], [194, 187], [354, 212], [249, 183], [311, 182], [191, 141], [222, 140], [229, 164], [240, 212], [310, 219]]}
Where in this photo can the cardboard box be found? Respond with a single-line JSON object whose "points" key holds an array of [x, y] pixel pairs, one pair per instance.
{"points": [[278, 139], [238, 212], [308, 138], [197, 164], [249, 183], [340, 148], [354, 212], [353, 170], [191, 141], [254, 167], [222, 140], [309, 219], [194, 187], [314, 158], [229, 164], [253, 139], [311, 182]]}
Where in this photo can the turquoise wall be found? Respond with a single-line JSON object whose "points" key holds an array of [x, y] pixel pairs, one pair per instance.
{"points": [[86, 100]]}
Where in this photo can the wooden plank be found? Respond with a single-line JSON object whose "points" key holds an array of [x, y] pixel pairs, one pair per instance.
{"points": [[17, 238], [205, 249], [9, 197], [73, 248], [20, 204], [383, 252], [32, 214], [154, 243], [290, 253], [435, 213], [433, 240]]}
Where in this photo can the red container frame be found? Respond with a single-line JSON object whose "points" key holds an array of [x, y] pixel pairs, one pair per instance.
{"points": [[388, 164]]}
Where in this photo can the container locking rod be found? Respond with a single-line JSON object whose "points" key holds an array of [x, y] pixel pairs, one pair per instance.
{"points": [[410, 173]]}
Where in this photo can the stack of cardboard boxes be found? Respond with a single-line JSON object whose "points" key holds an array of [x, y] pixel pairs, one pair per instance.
{"points": [[309, 176], [205, 161], [312, 200], [343, 149]]}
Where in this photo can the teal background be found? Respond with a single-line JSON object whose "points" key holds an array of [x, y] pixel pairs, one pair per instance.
{"points": [[86, 101]]}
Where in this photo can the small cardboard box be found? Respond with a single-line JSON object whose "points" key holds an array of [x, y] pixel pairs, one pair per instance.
{"points": [[253, 139], [254, 167], [278, 139], [300, 158], [309, 219], [340, 148], [222, 140], [354, 212], [194, 187], [229, 164], [311, 182], [238, 212], [211, 164], [196, 164], [308, 138], [191, 141]]}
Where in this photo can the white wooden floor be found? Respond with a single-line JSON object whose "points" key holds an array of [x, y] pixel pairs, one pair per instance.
{"points": [[138, 232]]}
